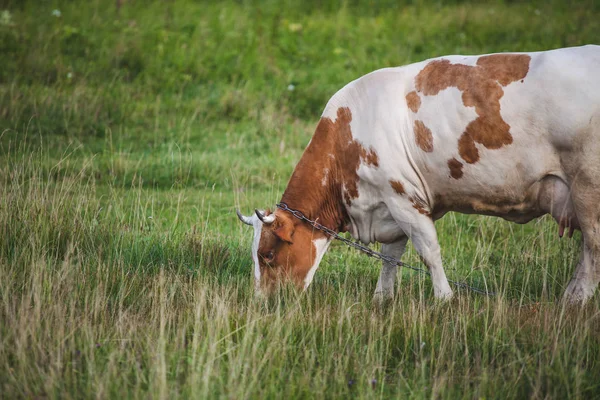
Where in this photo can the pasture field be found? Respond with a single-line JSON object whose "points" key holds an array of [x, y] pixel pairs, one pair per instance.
{"points": [[128, 136]]}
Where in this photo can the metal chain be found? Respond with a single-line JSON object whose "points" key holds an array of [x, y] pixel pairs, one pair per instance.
{"points": [[370, 252]]}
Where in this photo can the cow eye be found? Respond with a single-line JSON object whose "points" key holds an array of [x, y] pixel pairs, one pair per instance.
{"points": [[268, 257]]}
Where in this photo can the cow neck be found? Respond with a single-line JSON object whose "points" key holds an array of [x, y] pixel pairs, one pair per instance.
{"points": [[325, 180], [315, 192], [324, 206]]}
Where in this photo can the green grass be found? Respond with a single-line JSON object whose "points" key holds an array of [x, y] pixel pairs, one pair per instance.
{"points": [[127, 139]]}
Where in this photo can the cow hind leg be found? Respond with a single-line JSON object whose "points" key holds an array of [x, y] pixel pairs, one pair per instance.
{"points": [[385, 285], [587, 274], [585, 193]]}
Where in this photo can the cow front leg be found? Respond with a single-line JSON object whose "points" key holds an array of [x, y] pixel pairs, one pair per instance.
{"points": [[421, 231], [385, 285]]}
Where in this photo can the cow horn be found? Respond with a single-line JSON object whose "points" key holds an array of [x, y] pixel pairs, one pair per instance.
{"points": [[266, 219], [246, 220]]}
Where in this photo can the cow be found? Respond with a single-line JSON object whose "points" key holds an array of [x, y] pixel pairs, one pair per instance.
{"points": [[513, 135]]}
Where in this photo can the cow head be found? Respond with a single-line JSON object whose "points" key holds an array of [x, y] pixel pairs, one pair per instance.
{"points": [[284, 249]]}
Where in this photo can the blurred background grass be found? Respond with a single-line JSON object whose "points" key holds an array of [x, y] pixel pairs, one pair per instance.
{"points": [[131, 130], [205, 86]]}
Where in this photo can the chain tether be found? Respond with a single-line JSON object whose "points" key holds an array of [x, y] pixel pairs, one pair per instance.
{"points": [[368, 251]]}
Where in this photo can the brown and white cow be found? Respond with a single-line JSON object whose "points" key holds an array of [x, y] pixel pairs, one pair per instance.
{"points": [[515, 135]]}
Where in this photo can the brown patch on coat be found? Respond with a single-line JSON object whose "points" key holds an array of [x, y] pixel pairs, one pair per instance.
{"points": [[423, 137], [505, 68], [413, 101], [481, 87], [331, 149], [420, 206], [455, 167], [397, 186], [369, 156]]}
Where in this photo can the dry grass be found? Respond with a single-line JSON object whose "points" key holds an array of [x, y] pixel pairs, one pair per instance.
{"points": [[91, 307]]}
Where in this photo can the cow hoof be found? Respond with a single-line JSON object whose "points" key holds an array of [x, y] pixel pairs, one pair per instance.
{"points": [[445, 295], [382, 299], [577, 293]]}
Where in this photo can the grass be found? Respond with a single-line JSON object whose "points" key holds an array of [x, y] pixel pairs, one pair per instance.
{"points": [[130, 135]]}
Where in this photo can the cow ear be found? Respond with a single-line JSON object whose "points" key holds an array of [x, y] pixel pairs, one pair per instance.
{"points": [[284, 229]]}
